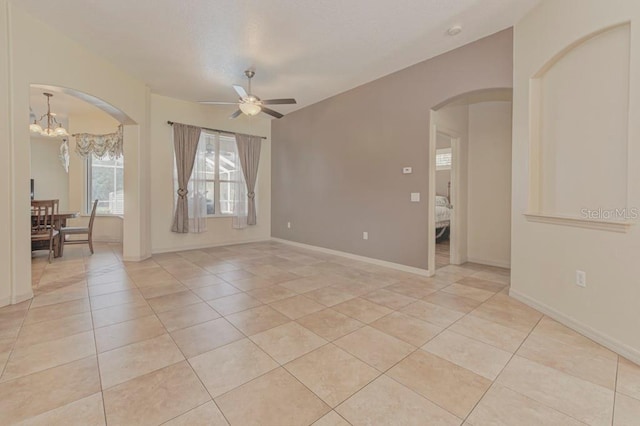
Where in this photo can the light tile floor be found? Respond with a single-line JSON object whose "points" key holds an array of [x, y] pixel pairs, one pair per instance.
{"points": [[274, 335], [443, 254]]}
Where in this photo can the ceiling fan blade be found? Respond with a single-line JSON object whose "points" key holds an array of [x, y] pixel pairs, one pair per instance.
{"points": [[287, 101], [240, 91], [235, 114], [217, 103], [272, 113]]}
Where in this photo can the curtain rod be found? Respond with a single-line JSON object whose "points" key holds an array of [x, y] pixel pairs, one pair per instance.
{"points": [[219, 131]]}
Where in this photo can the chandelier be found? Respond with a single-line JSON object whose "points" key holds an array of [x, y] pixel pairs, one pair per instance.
{"points": [[54, 128]]}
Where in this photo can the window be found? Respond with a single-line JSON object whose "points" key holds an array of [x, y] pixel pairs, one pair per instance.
{"points": [[105, 182], [222, 173], [443, 159]]}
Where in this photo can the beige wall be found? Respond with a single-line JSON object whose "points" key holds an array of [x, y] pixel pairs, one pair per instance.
{"points": [[443, 177], [337, 165], [50, 179], [489, 184], [68, 65], [7, 269], [545, 256], [219, 230]]}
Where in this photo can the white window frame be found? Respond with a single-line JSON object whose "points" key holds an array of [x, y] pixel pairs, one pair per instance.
{"points": [[215, 140], [88, 196]]}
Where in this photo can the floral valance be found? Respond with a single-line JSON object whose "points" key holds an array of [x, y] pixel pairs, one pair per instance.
{"points": [[100, 145]]}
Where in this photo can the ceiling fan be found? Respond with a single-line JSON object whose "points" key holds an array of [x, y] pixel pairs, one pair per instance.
{"points": [[249, 103]]}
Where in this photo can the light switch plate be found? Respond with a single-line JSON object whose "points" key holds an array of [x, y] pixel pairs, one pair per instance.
{"points": [[415, 197], [407, 170]]}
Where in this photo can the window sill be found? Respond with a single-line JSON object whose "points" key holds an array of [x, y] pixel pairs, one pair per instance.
{"points": [[601, 225], [103, 215], [218, 216]]}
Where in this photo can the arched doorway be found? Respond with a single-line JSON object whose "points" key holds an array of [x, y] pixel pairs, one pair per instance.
{"points": [[90, 114], [462, 171]]}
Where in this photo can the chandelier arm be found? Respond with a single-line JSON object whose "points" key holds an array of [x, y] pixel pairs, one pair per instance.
{"points": [[54, 127]]}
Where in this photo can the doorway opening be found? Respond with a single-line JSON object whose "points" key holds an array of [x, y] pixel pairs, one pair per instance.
{"points": [[74, 177], [470, 180], [443, 199]]}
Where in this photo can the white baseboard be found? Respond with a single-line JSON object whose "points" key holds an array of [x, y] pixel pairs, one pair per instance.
{"points": [[107, 240], [392, 265], [16, 299], [207, 245], [499, 264], [22, 297], [620, 348], [135, 258]]}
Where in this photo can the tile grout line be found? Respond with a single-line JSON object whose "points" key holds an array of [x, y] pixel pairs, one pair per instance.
{"points": [[15, 340], [615, 392], [384, 373], [95, 342], [502, 369], [195, 373], [435, 336]]}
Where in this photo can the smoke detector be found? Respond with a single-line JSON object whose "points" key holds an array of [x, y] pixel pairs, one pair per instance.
{"points": [[454, 30]]}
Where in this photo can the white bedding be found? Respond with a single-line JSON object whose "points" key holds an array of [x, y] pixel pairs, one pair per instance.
{"points": [[443, 216], [442, 201]]}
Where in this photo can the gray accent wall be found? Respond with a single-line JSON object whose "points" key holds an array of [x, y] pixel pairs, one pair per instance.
{"points": [[337, 164]]}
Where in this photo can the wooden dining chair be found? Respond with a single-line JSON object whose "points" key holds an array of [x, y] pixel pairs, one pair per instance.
{"points": [[79, 230], [42, 223], [56, 210]]}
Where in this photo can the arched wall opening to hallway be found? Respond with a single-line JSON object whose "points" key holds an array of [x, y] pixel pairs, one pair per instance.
{"points": [[473, 225]]}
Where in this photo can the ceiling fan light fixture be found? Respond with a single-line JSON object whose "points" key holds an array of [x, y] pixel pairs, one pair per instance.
{"points": [[249, 104], [250, 108]]}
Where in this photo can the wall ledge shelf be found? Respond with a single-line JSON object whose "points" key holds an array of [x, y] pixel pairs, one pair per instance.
{"points": [[601, 225]]}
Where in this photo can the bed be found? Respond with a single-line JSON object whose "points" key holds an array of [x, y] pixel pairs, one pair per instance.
{"points": [[443, 218]]}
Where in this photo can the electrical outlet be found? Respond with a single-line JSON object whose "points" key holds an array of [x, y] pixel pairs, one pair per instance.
{"points": [[581, 278], [289, 225], [365, 235]]}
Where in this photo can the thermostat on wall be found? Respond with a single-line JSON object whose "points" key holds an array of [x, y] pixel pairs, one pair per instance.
{"points": [[407, 170]]}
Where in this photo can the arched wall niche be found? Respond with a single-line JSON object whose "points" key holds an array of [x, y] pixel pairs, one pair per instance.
{"points": [[580, 98]]}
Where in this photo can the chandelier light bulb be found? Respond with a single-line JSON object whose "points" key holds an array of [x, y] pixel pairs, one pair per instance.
{"points": [[35, 127], [61, 131]]}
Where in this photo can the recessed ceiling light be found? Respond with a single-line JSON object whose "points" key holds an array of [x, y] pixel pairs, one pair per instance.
{"points": [[455, 30]]}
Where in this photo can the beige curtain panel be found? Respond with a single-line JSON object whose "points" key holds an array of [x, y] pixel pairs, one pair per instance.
{"points": [[249, 154], [185, 144]]}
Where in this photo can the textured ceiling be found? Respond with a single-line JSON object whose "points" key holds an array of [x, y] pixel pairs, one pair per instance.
{"points": [[307, 49]]}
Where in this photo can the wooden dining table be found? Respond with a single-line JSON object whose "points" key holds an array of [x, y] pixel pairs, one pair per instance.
{"points": [[59, 221]]}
